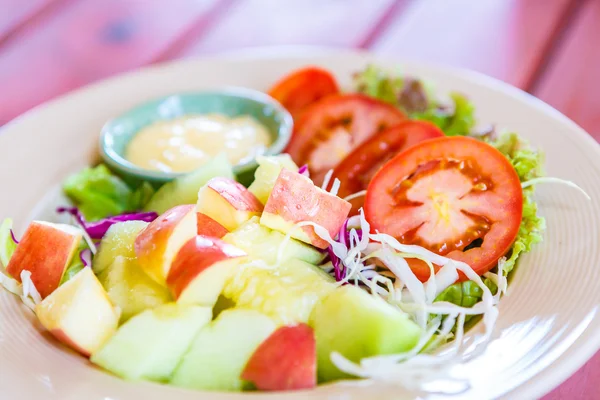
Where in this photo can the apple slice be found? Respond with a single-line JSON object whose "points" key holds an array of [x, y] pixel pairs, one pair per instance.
{"points": [[209, 227], [356, 324], [221, 350], [227, 202], [201, 269], [286, 360], [296, 199], [79, 313], [158, 244], [46, 251], [151, 344]]}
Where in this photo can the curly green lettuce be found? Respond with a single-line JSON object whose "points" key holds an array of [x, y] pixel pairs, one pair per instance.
{"points": [[416, 98], [529, 164], [98, 193]]}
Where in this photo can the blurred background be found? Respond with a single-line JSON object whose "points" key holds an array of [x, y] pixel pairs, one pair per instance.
{"points": [[549, 48]]}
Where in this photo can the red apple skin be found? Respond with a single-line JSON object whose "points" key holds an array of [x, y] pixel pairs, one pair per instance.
{"points": [[209, 227], [295, 198], [286, 360], [236, 194], [45, 251], [197, 255]]}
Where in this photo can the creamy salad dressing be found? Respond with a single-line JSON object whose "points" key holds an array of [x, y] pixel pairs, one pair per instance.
{"points": [[184, 144]]}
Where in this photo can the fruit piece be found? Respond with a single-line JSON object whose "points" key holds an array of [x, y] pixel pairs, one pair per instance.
{"points": [[227, 202], [184, 190], [357, 169], [286, 360], [200, 269], [158, 244], [46, 251], [151, 344], [267, 172], [286, 294], [261, 242], [209, 227], [295, 199], [221, 350], [445, 194], [303, 87], [118, 241], [79, 313], [131, 289], [356, 324], [334, 126]]}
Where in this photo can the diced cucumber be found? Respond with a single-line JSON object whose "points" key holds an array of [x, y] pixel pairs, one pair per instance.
{"points": [[151, 345], [267, 172], [131, 289], [184, 190], [221, 351], [356, 324], [118, 241], [264, 243], [287, 294]]}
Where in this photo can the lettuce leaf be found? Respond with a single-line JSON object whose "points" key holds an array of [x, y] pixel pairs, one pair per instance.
{"points": [[529, 164], [7, 245], [98, 193], [465, 294], [416, 98]]}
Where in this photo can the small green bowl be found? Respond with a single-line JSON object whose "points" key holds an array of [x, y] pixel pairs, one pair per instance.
{"points": [[230, 101]]}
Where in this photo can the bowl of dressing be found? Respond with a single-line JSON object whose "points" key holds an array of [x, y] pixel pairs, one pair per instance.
{"points": [[159, 140]]}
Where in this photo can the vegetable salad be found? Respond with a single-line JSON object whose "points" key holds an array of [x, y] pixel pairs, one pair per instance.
{"points": [[390, 225]]}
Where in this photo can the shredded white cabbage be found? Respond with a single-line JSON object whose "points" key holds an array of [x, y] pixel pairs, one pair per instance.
{"points": [[29, 289], [355, 195], [26, 291], [400, 287], [335, 187], [326, 179], [550, 179]]}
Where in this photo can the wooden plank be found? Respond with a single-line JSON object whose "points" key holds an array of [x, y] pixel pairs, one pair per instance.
{"points": [[571, 82], [15, 13], [306, 22], [87, 41], [582, 386], [502, 38]]}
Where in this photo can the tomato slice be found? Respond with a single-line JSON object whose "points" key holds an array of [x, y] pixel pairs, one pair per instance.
{"points": [[357, 169], [331, 128], [303, 87], [456, 196]]}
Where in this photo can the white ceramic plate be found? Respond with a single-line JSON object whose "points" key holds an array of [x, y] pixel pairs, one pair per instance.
{"points": [[547, 326]]}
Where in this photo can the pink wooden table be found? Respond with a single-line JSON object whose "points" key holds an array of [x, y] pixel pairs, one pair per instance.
{"points": [[549, 48]]}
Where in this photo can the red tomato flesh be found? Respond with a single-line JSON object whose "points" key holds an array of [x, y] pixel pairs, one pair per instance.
{"points": [[331, 128], [357, 169], [303, 87], [443, 194]]}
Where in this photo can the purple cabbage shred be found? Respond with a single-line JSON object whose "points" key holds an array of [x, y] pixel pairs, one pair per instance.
{"points": [[303, 170], [13, 237], [96, 230]]}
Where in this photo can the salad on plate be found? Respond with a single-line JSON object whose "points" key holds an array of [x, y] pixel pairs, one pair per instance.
{"points": [[388, 227]]}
